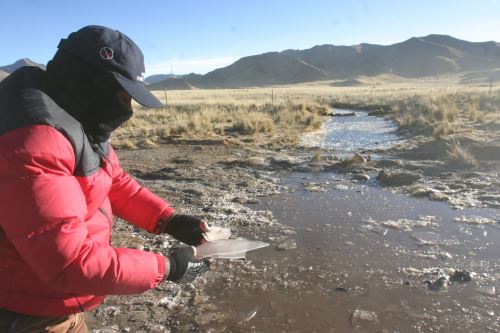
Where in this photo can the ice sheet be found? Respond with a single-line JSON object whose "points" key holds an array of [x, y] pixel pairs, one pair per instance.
{"points": [[228, 248]]}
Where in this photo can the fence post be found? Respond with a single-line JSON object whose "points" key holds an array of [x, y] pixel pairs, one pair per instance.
{"points": [[166, 101]]}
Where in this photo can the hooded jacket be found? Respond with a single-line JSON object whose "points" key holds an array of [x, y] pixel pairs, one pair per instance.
{"points": [[58, 192]]}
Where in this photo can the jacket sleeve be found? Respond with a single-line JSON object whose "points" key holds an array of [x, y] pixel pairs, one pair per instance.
{"points": [[42, 209], [133, 202]]}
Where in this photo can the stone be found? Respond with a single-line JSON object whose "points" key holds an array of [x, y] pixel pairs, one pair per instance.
{"points": [[460, 276], [361, 177], [401, 178], [440, 285]]}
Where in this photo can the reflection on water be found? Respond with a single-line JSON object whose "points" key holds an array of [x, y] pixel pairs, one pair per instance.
{"points": [[348, 134]]}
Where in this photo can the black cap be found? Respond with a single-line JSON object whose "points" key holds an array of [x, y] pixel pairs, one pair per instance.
{"points": [[113, 52]]}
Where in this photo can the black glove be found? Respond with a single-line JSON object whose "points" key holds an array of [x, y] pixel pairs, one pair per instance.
{"points": [[185, 228], [184, 267]]}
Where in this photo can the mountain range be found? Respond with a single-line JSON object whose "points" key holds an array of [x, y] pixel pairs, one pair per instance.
{"points": [[432, 55], [416, 57]]}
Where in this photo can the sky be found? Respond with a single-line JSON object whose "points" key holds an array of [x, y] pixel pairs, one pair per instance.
{"points": [[198, 36]]}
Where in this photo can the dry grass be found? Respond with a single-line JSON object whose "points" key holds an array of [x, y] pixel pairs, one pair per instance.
{"points": [[460, 156], [283, 113], [219, 121]]}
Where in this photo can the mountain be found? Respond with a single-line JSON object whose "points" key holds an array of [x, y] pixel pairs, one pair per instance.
{"points": [[158, 78], [416, 57], [260, 70], [171, 83], [20, 63]]}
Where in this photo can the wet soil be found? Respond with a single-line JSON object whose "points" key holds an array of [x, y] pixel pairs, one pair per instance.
{"points": [[348, 252]]}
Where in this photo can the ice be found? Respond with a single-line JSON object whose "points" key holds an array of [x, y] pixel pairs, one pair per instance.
{"points": [[472, 219], [228, 248], [432, 238], [405, 225], [363, 318], [486, 290], [216, 233]]}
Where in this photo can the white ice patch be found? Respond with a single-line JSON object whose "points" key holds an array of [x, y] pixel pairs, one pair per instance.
{"points": [[432, 238], [406, 225], [228, 248], [472, 219], [216, 233]]}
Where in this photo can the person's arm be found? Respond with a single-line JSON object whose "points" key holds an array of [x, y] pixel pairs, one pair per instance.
{"points": [[42, 211], [135, 203]]}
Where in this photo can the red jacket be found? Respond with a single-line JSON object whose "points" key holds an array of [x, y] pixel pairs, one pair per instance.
{"points": [[55, 252]]}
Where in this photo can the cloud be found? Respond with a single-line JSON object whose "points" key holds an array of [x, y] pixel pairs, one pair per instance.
{"points": [[186, 66]]}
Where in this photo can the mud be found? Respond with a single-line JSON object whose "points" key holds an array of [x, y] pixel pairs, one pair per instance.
{"points": [[348, 253]]}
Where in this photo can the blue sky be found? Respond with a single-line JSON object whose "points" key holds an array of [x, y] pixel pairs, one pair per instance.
{"points": [[199, 36]]}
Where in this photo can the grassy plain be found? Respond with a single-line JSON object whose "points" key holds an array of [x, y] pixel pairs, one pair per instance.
{"points": [[279, 115]]}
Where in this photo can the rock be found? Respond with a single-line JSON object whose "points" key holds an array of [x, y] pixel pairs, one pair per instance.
{"points": [[440, 285], [350, 114], [362, 318], [112, 311], [460, 276], [402, 178], [282, 162], [255, 162], [361, 177]]}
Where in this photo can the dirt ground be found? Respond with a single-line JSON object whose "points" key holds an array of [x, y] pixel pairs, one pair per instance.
{"points": [[218, 181]]}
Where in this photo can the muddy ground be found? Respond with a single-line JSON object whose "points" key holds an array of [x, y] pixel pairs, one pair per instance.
{"points": [[224, 184]]}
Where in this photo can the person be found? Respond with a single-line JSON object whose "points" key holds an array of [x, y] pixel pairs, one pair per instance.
{"points": [[61, 183]]}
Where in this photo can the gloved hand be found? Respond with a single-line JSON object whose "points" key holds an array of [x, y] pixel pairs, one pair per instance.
{"points": [[184, 267], [186, 228]]}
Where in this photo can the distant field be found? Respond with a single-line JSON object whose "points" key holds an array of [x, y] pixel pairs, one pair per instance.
{"points": [[278, 115]]}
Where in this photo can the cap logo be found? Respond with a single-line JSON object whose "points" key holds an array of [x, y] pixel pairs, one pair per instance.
{"points": [[106, 53], [140, 78]]}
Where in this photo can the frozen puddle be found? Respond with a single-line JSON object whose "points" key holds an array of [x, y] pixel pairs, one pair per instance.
{"points": [[362, 260]]}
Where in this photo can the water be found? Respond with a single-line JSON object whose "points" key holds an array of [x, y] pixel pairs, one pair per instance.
{"points": [[348, 134], [363, 259], [342, 277]]}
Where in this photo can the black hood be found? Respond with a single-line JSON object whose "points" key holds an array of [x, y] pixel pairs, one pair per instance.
{"points": [[88, 94]]}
